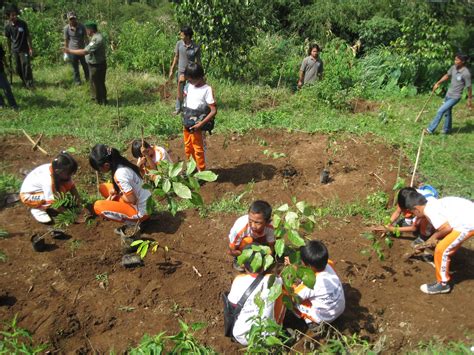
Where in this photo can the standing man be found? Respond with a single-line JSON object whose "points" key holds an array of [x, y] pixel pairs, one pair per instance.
{"points": [[185, 52], [75, 38], [460, 79], [311, 68], [95, 58], [4, 84], [19, 41]]}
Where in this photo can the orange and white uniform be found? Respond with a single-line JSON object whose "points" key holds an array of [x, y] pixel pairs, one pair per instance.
{"points": [[118, 209], [197, 98], [37, 190], [273, 310], [459, 213], [325, 301], [241, 234], [159, 154]]}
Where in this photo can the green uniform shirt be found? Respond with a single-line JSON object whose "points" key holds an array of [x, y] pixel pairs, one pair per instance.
{"points": [[96, 50]]}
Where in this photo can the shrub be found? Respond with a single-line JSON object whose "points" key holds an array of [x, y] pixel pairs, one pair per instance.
{"points": [[378, 31]]}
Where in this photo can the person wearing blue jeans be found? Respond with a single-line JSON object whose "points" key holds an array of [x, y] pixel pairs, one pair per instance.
{"points": [[460, 79]]}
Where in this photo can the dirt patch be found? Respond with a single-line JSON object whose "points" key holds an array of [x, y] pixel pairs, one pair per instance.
{"points": [[361, 106], [57, 296], [165, 91]]}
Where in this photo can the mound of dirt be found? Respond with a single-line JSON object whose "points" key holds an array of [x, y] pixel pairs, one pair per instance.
{"points": [[59, 296]]}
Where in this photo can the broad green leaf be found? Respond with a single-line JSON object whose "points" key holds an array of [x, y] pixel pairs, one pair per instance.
{"points": [[206, 176], [144, 250], [388, 242], [276, 220], [271, 280], [266, 249], [275, 292], [301, 206], [308, 226], [147, 186], [71, 150], [279, 247], [295, 239], [136, 242], [291, 217], [288, 276], [166, 185], [268, 261], [191, 166], [150, 205], [154, 172], [155, 248], [283, 208], [172, 206], [242, 258], [183, 325], [259, 301], [194, 183], [255, 247], [175, 169], [159, 193], [293, 199], [307, 276], [198, 326], [256, 263], [287, 302], [272, 340], [280, 232], [181, 190], [196, 199]]}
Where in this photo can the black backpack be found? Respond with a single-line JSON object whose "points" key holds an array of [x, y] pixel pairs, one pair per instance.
{"points": [[190, 117]]}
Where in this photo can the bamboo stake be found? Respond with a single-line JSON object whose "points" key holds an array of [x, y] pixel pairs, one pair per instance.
{"points": [[35, 146], [417, 158], [97, 183], [33, 142], [423, 108], [143, 139]]}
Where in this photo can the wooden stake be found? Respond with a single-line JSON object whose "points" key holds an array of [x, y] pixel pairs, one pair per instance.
{"points": [[97, 183], [143, 139], [426, 102], [417, 158], [35, 143], [35, 146]]}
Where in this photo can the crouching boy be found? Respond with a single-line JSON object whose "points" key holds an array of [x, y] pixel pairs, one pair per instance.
{"points": [[254, 227], [325, 301], [453, 219], [272, 310]]}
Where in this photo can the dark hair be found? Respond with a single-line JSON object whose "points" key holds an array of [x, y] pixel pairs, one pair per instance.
{"points": [[463, 57], [64, 162], [312, 46], [137, 146], [414, 198], [194, 71], [101, 154], [10, 9], [315, 254], [402, 195], [91, 25], [263, 208], [188, 31]]}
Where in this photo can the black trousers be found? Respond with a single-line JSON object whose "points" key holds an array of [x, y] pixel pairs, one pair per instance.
{"points": [[23, 67], [75, 60], [5, 86], [97, 74]]}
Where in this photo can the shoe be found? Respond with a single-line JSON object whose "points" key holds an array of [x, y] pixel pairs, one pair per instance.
{"points": [[236, 266], [417, 241], [427, 131], [435, 288], [41, 216]]}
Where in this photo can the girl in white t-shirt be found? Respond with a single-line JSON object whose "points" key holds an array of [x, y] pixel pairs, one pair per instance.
{"points": [[148, 156], [199, 99], [125, 197]]}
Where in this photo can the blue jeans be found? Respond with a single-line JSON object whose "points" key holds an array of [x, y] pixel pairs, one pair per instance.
{"points": [[445, 109], [5, 87]]}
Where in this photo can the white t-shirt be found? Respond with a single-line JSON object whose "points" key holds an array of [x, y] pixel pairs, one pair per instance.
{"points": [[428, 194], [41, 180], [241, 230], [198, 98], [160, 154], [239, 286], [326, 301], [130, 183], [457, 211]]}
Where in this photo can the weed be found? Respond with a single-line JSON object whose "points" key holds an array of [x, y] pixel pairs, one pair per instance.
{"points": [[16, 340], [9, 184], [3, 234], [3, 256], [230, 203], [74, 245], [126, 309], [274, 155], [176, 309], [103, 279]]}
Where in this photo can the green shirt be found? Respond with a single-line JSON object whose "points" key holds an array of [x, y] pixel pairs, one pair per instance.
{"points": [[96, 50]]}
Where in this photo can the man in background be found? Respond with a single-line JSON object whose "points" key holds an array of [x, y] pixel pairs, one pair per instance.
{"points": [[75, 37]]}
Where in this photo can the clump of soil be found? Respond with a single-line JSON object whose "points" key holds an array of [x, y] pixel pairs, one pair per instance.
{"points": [[57, 296]]}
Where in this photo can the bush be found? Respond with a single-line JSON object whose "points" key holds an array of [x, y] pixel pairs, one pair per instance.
{"points": [[378, 31], [143, 46]]}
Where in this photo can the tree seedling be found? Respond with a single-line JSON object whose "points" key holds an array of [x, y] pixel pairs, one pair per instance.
{"points": [[126, 309], [103, 280], [74, 245], [145, 245]]}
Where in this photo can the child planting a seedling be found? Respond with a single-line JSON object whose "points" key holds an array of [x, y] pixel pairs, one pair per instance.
{"points": [[125, 198], [149, 156], [40, 186], [420, 227], [325, 301], [253, 227], [453, 219], [198, 115], [272, 309]]}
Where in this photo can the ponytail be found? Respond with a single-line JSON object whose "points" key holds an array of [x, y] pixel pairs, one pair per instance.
{"points": [[102, 154], [64, 162]]}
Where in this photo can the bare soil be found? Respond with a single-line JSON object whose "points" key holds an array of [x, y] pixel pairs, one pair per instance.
{"points": [[57, 297]]}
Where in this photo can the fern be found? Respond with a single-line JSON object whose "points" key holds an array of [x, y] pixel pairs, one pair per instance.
{"points": [[64, 199]]}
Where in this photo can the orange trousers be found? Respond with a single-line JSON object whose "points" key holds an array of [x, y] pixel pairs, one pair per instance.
{"points": [[117, 209], [38, 200], [446, 248], [195, 146]]}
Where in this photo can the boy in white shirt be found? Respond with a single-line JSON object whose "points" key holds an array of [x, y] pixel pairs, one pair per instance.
{"points": [[325, 301], [453, 219], [199, 112]]}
